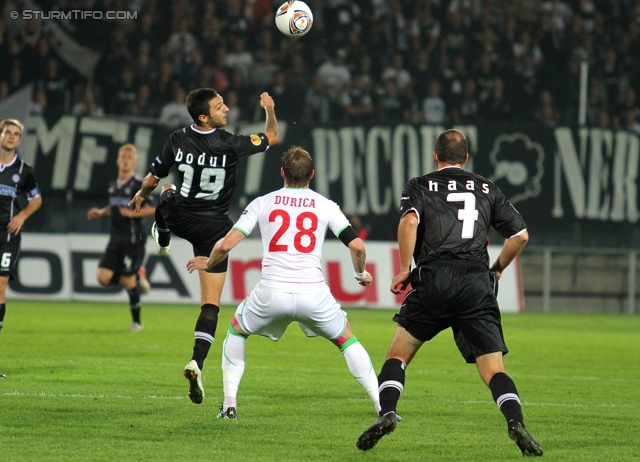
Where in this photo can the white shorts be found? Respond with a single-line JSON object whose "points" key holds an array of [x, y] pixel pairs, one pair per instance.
{"points": [[271, 307]]}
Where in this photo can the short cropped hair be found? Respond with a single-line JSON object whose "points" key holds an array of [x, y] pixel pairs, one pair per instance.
{"points": [[129, 146], [16, 122], [198, 102], [452, 147], [298, 166]]}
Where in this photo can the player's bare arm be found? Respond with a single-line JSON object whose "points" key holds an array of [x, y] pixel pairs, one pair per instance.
{"points": [[149, 183], [510, 250], [17, 222], [407, 235], [271, 125], [218, 253], [145, 211], [95, 212], [359, 260]]}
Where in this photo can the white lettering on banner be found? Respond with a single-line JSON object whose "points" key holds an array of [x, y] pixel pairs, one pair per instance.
{"points": [[362, 160], [62, 135], [610, 191], [63, 267], [142, 141], [326, 147], [90, 154], [354, 198]]}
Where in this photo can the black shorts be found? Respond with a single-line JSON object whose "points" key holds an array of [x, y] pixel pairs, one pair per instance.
{"points": [[9, 254], [456, 294], [123, 258], [202, 231]]}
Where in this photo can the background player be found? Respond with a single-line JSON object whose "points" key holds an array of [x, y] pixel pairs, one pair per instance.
{"points": [[19, 199], [293, 222], [444, 225], [206, 158], [123, 257]]}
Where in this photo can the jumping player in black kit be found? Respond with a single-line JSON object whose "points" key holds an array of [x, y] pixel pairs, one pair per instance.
{"points": [[206, 158], [122, 259], [19, 199], [444, 225]]}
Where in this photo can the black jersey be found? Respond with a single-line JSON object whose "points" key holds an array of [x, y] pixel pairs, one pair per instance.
{"points": [[17, 186], [125, 229], [207, 165], [455, 209]]}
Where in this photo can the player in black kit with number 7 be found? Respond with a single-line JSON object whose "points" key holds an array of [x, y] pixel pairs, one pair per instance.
{"points": [[444, 225], [206, 158]]}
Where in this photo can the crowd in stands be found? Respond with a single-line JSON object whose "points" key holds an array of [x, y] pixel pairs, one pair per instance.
{"points": [[364, 61]]}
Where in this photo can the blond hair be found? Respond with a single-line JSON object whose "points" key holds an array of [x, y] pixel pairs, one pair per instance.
{"points": [[129, 146], [4, 123]]}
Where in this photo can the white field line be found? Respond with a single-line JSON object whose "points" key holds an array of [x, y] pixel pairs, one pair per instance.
{"points": [[485, 402]]}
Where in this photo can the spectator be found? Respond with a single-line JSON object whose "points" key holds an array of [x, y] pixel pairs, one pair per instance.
{"points": [[433, 106], [175, 114], [181, 42], [358, 103], [335, 77], [240, 58], [143, 106], [124, 95], [88, 106], [496, 107], [235, 114], [425, 30], [56, 87], [397, 72], [317, 104], [467, 110], [390, 103]]}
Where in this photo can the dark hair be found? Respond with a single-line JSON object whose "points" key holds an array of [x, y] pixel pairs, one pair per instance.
{"points": [[452, 147], [198, 102], [298, 165]]}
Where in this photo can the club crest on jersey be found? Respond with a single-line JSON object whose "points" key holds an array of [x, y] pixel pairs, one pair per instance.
{"points": [[15, 177], [255, 139]]}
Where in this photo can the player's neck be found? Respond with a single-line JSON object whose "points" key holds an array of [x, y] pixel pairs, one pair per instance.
{"points": [[6, 157], [124, 176], [206, 128], [442, 165]]}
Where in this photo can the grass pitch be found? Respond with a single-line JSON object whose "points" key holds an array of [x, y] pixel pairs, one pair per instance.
{"points": [[79, 387]]}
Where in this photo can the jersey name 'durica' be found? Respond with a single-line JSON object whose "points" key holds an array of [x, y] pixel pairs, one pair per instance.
{"points": [[207, 165], [456, 208]]}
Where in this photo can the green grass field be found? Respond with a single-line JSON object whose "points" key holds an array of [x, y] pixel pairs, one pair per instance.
{"points": [[79, 387]]}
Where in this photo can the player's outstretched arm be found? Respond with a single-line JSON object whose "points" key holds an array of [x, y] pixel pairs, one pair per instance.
{"points": [[271, 125], [510, 250], [148, 185], [218, 253], [95, 212]]}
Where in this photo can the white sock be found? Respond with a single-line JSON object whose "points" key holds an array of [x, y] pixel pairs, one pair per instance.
{"points": [[233, 351], [360, 366]]}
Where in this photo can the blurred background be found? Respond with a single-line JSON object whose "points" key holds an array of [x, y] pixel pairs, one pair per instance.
{"points": [[547, 93]]}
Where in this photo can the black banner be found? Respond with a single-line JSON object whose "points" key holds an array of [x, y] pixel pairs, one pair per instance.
{"points": [[573, 186]]}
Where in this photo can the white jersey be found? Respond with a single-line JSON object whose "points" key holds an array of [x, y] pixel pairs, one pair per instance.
{"points": [[293, 223]]}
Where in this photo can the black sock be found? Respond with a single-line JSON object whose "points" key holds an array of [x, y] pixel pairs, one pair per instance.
{"points": [[205, 332], [506, 397], [3, 310], [134, 304], [391, 384], [164, 235]]}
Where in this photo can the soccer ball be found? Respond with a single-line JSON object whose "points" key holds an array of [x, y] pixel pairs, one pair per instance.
{"points": [[294, 18]]}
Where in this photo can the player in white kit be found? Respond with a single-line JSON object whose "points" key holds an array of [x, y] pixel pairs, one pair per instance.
{"points": [[293, 222]]}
